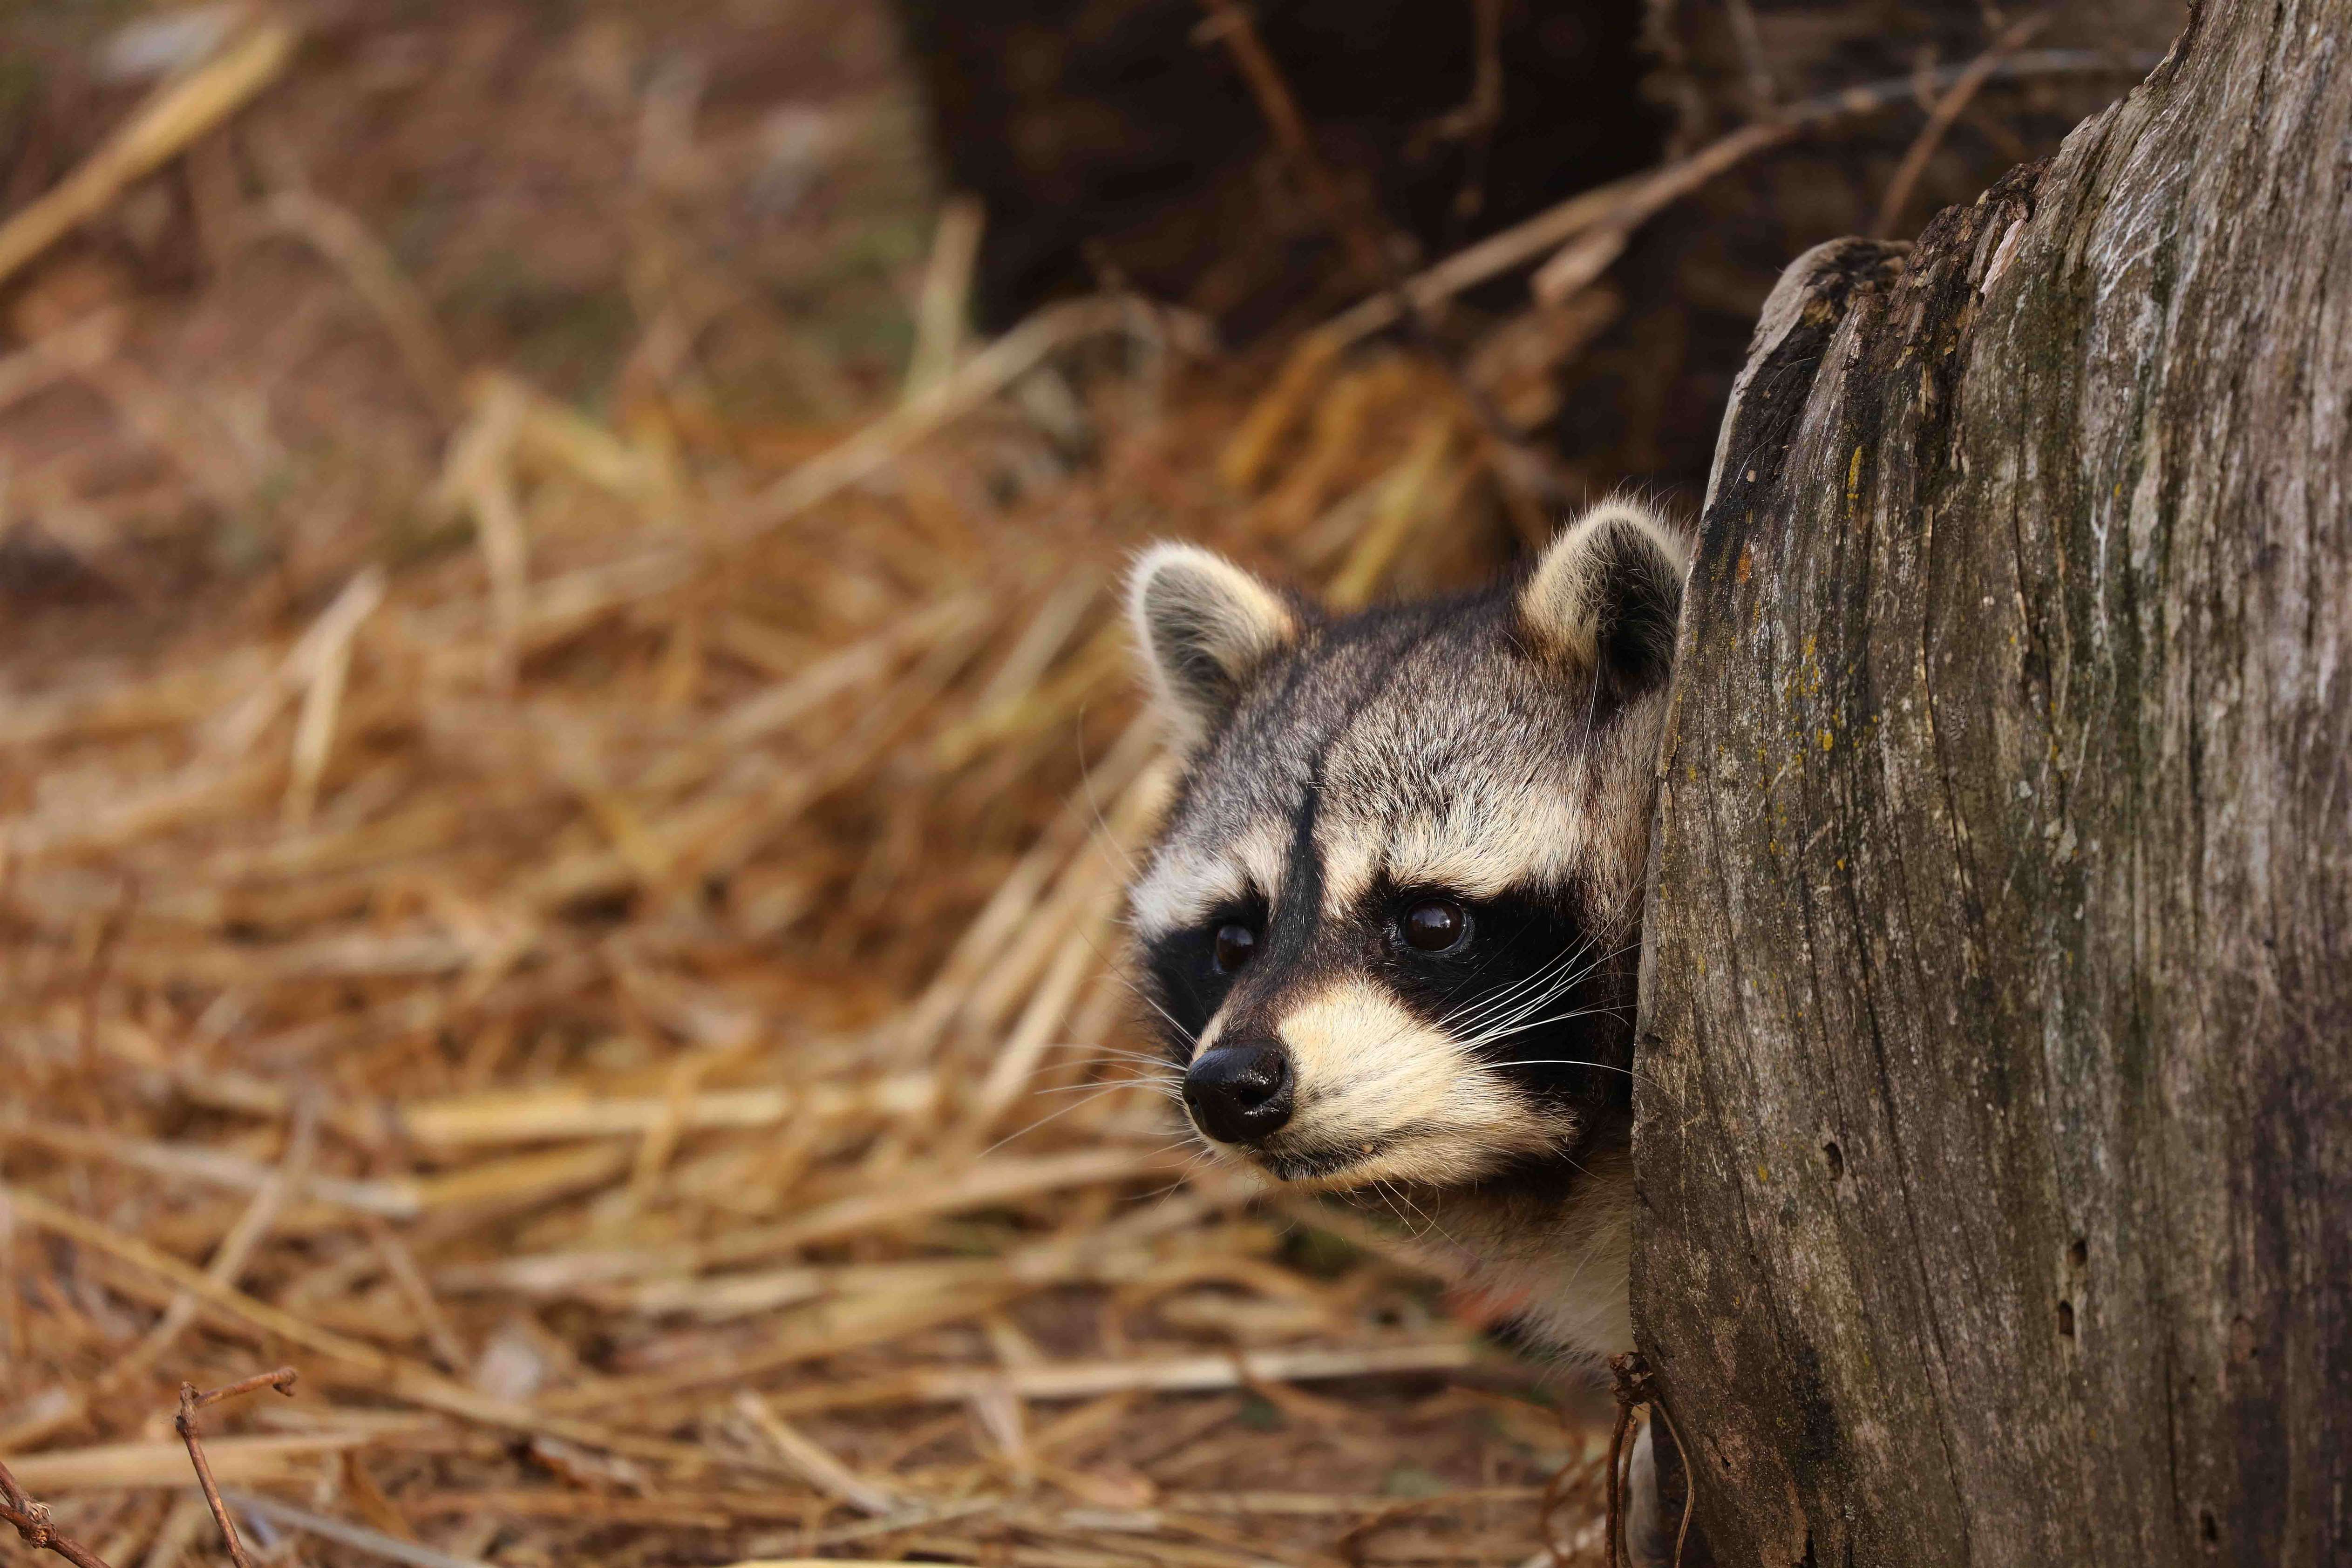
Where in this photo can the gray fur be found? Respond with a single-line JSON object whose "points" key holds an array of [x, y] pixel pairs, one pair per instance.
{"points": [[1498, 748]]}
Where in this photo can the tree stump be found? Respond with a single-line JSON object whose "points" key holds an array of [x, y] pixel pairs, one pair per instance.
{"points": [[1996, 1047]]}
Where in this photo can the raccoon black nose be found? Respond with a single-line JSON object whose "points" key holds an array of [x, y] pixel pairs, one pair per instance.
{"points": [[1240, 1093]]}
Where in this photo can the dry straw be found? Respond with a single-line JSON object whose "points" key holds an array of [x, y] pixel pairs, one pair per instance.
{"points": [[631, 1006]]}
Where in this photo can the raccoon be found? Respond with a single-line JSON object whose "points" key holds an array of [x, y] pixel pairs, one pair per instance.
{"points": [[1390, 927]]}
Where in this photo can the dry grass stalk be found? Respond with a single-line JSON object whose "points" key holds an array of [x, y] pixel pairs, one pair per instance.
{"points": [[1579, 262], [179, 112], [942, 309], [375, 1543], [1191, 1374], [1946, 111], [336, 233], [1583, 232], [235, 1250], [114, 1466], [816, 1465]]}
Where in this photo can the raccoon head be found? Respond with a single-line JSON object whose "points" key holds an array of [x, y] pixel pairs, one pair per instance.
{"points": [[1389, 929]]}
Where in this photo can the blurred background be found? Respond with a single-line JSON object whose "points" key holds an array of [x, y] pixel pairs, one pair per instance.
{"points": [[567, 761]]}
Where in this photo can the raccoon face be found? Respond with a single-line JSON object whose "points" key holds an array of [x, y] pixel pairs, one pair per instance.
{"points": [[1389, 930]]}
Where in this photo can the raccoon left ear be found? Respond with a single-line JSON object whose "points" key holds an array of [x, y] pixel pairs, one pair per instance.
{"points": [[1205, 626], [1607, 595]]}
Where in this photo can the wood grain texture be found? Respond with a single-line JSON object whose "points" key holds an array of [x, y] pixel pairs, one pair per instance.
{"points": [[1995, 1139]]}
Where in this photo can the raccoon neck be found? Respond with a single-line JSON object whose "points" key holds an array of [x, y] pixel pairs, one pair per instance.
{"points": [[1561, 1247], [1551, 1244]]}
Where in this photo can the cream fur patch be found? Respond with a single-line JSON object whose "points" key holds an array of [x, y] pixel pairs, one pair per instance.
{"points": [[1209, 1031], [1183, 885], [1374, 1081], [1575, 1273], [1486, 844], [1193, 613], [1563, 603]]}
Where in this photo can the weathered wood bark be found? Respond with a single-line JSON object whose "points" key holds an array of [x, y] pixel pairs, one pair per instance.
{"points": [[1995, 1136]]}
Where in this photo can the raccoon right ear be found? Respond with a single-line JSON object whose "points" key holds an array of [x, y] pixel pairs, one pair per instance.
{"points": [[1607, 596], [1204, 626]]}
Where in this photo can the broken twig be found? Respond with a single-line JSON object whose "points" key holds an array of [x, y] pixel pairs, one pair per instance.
{"points": [[31, 1519], [192, 1433]]}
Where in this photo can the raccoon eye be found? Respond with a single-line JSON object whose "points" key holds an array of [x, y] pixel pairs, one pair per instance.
{"points": [[1434, 925], [1235, 943]]}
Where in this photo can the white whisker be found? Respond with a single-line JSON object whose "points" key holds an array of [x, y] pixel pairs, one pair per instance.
{"points": [[1485, 1007], [1598, 1066], [1099, 1091], [1530, 1025]]}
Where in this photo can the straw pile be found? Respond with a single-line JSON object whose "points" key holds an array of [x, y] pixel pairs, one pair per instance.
{"points": [[623, 990]]}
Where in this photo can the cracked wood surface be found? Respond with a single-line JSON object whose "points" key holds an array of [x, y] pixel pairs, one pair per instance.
{"points": [[1995, 1139]]}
